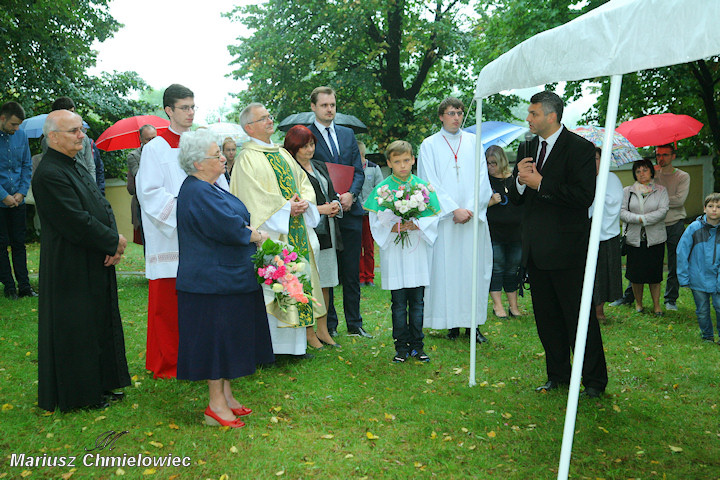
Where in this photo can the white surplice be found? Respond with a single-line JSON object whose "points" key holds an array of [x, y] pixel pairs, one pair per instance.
{"points": [[409, 266], [448, 297]]}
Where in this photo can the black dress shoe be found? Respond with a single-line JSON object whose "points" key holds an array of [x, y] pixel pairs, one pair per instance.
{"points": [[453, 333], [592, 392], [359, 332], [111, 396], [306, 356], [547, 386], [621, 301], [11, 294], [27, 293], [479, 337], [101, 405]]}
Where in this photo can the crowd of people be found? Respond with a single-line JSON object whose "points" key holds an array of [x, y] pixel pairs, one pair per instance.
{"points": [[202, 206]]}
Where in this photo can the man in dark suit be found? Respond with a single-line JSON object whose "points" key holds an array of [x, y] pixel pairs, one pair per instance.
{"points": [[555, 180], [336, 144]]}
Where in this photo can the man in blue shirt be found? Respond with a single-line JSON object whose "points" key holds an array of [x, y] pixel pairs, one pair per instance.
{"points": [[15, 172]]}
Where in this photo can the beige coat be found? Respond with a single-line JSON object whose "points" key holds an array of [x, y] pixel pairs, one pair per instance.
{"points": [[650, 213]]}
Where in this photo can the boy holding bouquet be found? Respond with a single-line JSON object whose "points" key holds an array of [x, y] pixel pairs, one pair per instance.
{"points": [[403, 221]]}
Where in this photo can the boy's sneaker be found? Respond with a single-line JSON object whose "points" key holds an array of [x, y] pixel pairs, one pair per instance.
{"points": [[400, 357], [670, 306], [420, 355]]}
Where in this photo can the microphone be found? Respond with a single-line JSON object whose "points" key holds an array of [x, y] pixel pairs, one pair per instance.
{"points": [[528, 139]]}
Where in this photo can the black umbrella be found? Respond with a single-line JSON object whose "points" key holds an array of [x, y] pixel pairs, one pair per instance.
{"points": [[308, 118]]}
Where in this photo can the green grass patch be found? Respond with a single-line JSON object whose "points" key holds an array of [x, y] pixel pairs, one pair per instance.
{"points": [[351, 413]]}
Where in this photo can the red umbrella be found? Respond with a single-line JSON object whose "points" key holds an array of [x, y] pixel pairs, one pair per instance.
{"points": [[662, 129], [124, 133]]}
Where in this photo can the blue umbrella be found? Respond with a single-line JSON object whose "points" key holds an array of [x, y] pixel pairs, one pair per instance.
{"points": [[33, 126], [498, 133]]}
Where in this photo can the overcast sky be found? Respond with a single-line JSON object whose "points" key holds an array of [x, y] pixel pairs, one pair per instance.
{"points": [[176, 41]]}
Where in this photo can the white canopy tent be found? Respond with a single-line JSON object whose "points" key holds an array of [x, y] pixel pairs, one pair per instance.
{"points": [[621, 36]]}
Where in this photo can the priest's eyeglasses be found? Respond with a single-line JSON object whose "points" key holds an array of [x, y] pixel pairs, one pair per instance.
{"points": [[264, 118], [73, 131], [455, 113], [187, 108]]}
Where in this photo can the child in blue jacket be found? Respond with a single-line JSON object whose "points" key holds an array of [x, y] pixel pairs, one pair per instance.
{"points": [[698, 264]]}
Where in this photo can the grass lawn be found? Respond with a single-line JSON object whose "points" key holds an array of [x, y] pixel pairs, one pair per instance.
{"points": [[352, 414]]}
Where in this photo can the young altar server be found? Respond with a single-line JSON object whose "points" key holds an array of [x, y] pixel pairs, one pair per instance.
{"points": [[406, 246]]}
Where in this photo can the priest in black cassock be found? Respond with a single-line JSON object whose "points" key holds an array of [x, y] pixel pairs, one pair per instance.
{"points": [[81, 348]]}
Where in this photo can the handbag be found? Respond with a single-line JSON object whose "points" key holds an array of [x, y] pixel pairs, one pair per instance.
{"points": [[623, 243]]}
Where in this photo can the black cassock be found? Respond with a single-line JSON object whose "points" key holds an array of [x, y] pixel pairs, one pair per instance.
{"points": [[81, 349]]}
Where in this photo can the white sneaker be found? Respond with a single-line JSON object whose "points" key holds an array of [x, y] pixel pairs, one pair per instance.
{"points": [[670, 306]]}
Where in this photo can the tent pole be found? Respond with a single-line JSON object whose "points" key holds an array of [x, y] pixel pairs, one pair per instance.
{"points": [[476, 240], [589, 279]]}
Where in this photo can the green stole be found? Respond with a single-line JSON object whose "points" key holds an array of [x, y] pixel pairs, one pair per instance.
{"points": [[297, 232]]}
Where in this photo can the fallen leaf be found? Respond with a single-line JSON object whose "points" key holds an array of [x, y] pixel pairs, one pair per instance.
{"points": [[675, 449], [173, 426], [26, 473], [349, 455], [428, 381], [8, 406], [489, 411], [327, 436], [370, 436], [201, 462], [389, 416], [277, 409], [149, 434], [224, 476], [156, 444], [447, 438], [101, 417], [491, 434], [119, 472], [233, 449], [603, 430], [134, 378], [464, 430], [280, 473], [616, 408], [506, 415], [457, 370], [433, 435], [274, 419], [149, 471]]}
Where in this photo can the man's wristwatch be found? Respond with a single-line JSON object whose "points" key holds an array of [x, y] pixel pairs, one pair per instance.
{"points": [[354, 197]]}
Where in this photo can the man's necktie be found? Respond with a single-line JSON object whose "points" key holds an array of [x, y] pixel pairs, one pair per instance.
{"points": [[541, 157], [333, 149]]}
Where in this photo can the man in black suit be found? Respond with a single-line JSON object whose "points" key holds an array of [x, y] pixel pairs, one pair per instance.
{"points": [[336, 144], [555, 180]]}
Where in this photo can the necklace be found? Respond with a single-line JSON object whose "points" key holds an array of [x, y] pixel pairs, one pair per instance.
{"points": [[455, 154]]}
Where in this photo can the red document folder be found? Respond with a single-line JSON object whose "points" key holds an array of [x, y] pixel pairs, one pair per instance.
{"points": [[341, 176]]}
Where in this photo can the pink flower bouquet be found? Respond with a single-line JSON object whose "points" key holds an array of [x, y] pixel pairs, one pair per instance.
{"points": [[285, 272]]}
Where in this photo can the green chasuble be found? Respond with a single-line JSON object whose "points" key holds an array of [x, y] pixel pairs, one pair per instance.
{"points": [[297, 233], [393, 183]]}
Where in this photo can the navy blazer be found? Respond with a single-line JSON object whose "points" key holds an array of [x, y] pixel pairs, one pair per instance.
{"points": [[215, 246], [555, 225], [349, 155]]}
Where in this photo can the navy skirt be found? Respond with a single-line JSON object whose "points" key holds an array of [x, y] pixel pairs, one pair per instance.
{"points": [[222, 336]]}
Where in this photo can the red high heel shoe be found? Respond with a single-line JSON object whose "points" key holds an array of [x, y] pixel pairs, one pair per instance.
{"points": [[211, 418], [241, 411]]}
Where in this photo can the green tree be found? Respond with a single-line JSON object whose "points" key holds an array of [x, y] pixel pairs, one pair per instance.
{"points": [[45, 52], [391, 61]]}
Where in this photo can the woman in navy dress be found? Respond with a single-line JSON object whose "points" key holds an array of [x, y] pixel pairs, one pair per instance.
{"points": [[222, 323]]}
